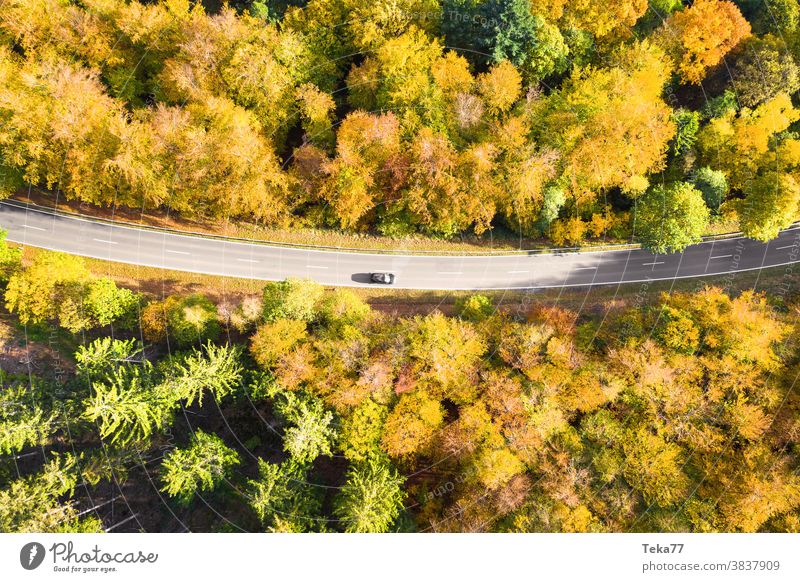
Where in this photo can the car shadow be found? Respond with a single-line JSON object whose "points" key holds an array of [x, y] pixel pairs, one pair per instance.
{"points": [[363, 278]]}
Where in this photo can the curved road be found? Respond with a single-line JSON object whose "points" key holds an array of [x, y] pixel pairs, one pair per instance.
{"points": [[128, 244]]}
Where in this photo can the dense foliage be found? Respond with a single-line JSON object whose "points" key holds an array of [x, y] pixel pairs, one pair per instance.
{"points": [[546, 117], [675, 416]]}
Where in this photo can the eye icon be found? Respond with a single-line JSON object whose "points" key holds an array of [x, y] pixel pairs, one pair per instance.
{"points": [[31, 555]]}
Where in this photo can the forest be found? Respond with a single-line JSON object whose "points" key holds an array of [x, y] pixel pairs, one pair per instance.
{"points": [[565, 120], [304, 409]]}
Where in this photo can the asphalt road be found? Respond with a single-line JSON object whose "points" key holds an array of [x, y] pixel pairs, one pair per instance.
{"points": [[129, 244]]}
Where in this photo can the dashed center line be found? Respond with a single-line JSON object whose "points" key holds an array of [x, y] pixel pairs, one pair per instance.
{"points": [[178, 252], [721, 257], [34, 227], [247, 260], [786, 247], [654, 263], [108, 242], [583, 268]]}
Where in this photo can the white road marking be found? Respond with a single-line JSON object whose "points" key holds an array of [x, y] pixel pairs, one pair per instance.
{"points": [[34, 227], [519, 271], [315, 267], [449, 273], [721, 257], [178, 252], [654, 263], [247, 260], [583, 268], [786, 247], [108, 242]]}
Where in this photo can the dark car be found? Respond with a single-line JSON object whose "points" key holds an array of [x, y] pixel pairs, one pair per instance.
{"points": [[382, 278]]}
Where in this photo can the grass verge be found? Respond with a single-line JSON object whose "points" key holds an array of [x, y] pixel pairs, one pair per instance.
{"points": [[780, 283]]}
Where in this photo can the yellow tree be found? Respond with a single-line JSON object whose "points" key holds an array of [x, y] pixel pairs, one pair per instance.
{"points": [[221, 164], [700, 36], [447, 353], [611, 125], [740, 145], [411, 424], [439, 195], [36, 293], [500, 87], [60, 127], [354, 179], [772, 204], [598, 18]]}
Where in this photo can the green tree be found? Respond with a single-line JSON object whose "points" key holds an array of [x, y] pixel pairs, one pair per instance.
{"points": [[33, 504], [371, 498], [193, 320], [498, 30], [216, 369], [292, 299], [670, 218], [10, 259], [474, 307], [687, 123], [200, 467], [312, 432], [657, 12], [713, 185], [283, 498], [24, 418], [720, 106], [526, 39], [106, 303], [771, 204], [553, 200], [764, 68], [101, 356], [127, 407]]}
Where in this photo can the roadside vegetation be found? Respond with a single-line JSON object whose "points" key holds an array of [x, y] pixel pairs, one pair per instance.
{"points": [[305, 409], [542, 119]]}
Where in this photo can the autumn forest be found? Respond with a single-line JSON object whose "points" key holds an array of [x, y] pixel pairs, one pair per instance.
{"points": [[563, 120], [133, 401]]}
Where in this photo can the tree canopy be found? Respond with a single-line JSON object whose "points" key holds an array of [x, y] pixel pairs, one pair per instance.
{"points": [[436, 117], [495, 419]]}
